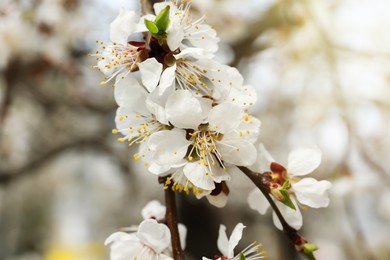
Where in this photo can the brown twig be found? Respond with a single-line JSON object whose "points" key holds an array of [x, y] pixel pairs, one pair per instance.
{"points": [[171, 219], [297, 239], [7, 176]]}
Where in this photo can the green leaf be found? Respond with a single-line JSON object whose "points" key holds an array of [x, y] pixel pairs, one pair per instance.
{"points": [[151, 26], [308, 250], [162, 20], [242, 257], [286, 199], [286, 185]]}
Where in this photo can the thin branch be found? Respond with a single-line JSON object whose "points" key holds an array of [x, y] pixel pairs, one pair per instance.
{"points": [[171, 219], [7, 176], [297, 239]]}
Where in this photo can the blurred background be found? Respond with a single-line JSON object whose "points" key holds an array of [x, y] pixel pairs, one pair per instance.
{"points": [[322, 72]]}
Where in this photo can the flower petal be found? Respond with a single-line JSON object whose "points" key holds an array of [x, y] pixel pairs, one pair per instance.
{"points": [[154, 209], [223, 242], [311, 192], [175, 34], [303, 161], [196, 53], [235, 237], [225, 117], [154, 235], [169, 146], [150, 71], [244, 96], [293, 217], [183, 235], [184, 110], [203, 36], [122, 26], [219, 200], [167, 79], [263, 161], [257, 201], [123, 246], [237, 151], [249, 128], [196, 173], [127, 91]]}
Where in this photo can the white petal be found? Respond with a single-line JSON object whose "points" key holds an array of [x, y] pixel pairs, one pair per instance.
{"points": [[183, 235], [167, 79], [219, 200], [119, 237], [106, 70], [219, 174], [122, 26], [125, 118], [175, 34], [303, 161], [127, 91], [154, 235], [293, 217], [249, 128], [157, 99], [311, 192], [257, 201], [225, 117], [263, 161], [244, 96], [169, 146], [123, 246], [205, 37], [154, 209], [226, 78], [159, 170], [150, 71], [237, 151], [223, 242], [235, 237], [196, 173], [184, 110], [196, 53]]}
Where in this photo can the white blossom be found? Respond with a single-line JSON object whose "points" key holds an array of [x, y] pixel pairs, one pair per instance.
{"points": [[186, 31], [225, 138], [226, 245], [306, 191], [151, 241]]}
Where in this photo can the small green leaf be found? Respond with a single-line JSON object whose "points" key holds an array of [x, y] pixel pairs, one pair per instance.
{"points": [[286, 185], [286, 199], [151, 26], [162, 20], [308, 250], [242, 257]]}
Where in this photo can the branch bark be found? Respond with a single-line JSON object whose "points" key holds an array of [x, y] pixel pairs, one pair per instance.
{"points": [[171, 219]]}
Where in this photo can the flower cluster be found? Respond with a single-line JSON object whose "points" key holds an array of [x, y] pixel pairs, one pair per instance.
{"points": [[188, 113], [189, 117]]}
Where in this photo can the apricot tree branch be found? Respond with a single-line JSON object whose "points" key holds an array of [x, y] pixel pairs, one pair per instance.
{"points": [[171, 220]]}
